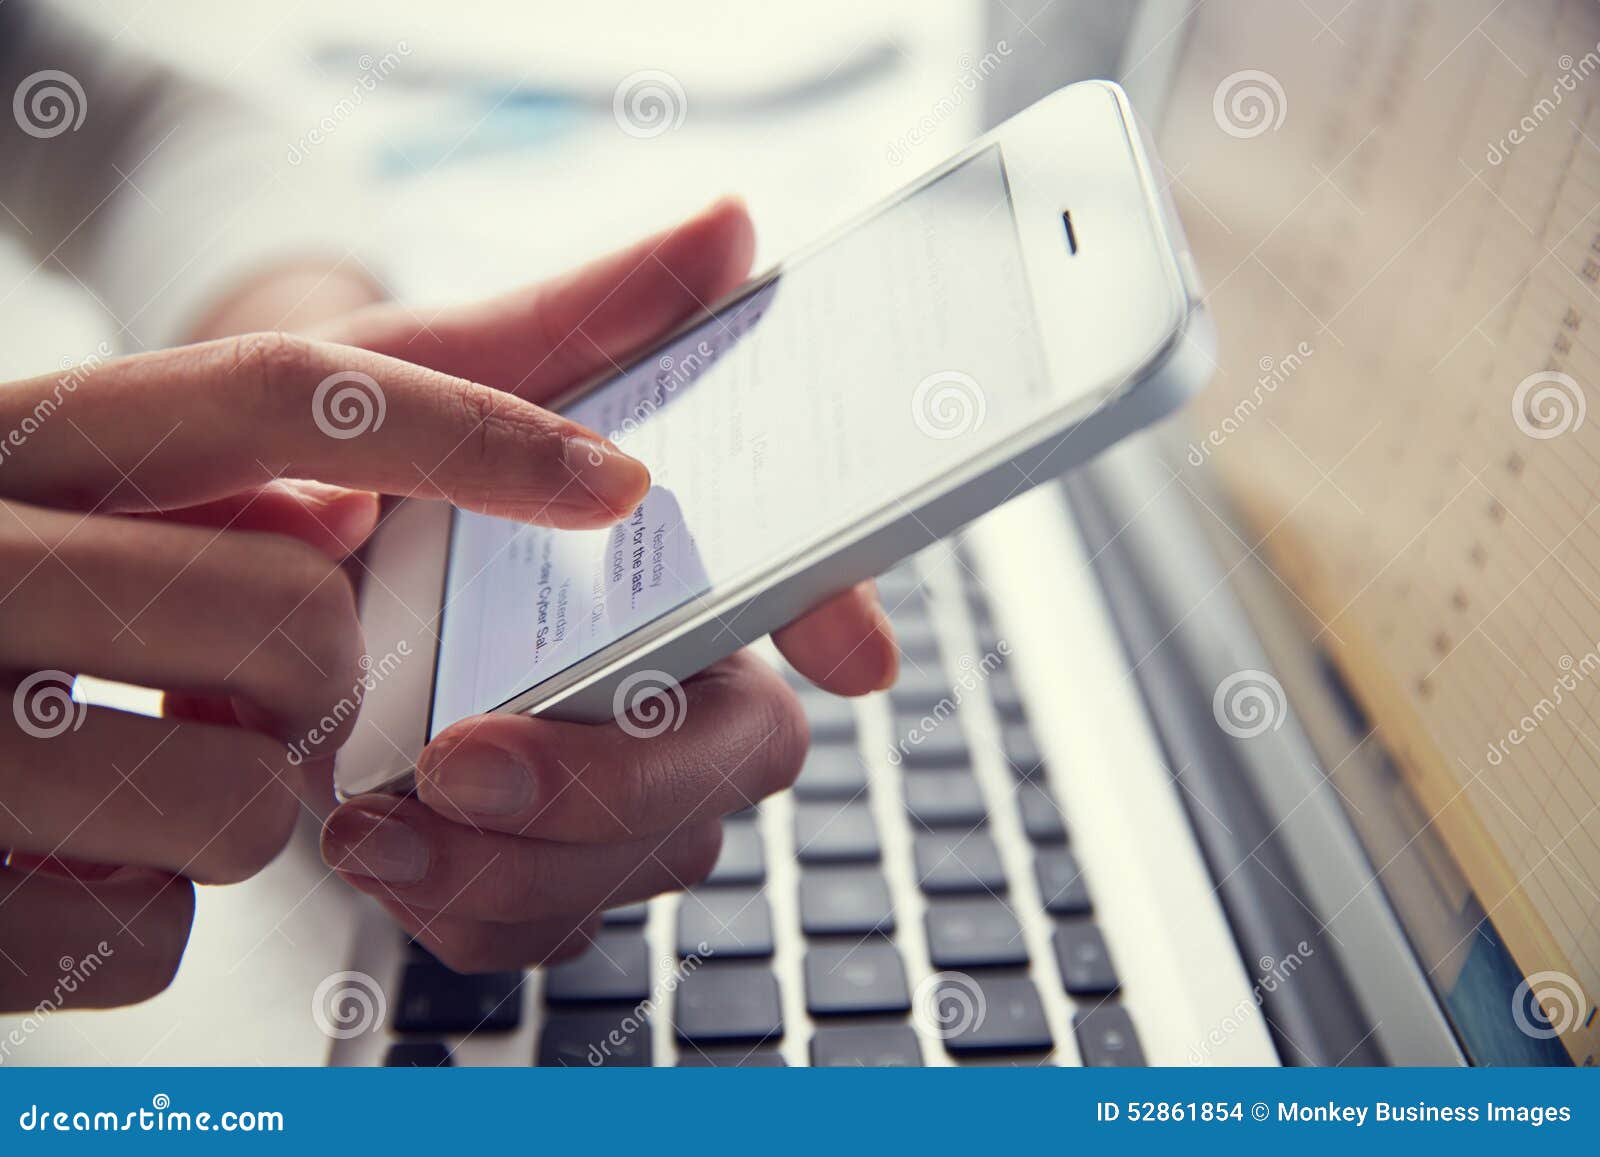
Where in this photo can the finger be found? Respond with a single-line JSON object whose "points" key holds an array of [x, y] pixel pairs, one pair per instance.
{"points": [[75, 944], [215, 709], [330, 519], [210, 803], [192, 425], [59, 866], [845, 645], [310, 773], [399, 848], [736, 736], [262, 617], [478, 946], [540, 340]]}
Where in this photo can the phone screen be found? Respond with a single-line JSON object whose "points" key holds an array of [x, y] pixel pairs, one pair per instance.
{"points": [[851, 379]]}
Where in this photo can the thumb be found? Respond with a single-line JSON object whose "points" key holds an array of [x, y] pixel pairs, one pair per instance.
{"points": [[537, 342]]}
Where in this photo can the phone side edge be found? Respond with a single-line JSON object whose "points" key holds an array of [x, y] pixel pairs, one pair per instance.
{"points": [[400, 605]]}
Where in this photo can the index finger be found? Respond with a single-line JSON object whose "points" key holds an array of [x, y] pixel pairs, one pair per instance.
{"points": [[191, 425]]}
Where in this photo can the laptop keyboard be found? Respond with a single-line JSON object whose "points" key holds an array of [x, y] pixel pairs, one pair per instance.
{"points": [[874, 915]]}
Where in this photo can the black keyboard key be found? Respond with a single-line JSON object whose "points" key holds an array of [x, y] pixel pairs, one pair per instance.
{"points": [[909, 604], [724, 922], [869, 1046], [743, 858], [832, 718], [973, 934], [616, 968], [1041, 819], [956, 863], [995, 1014], [917, 639], [899, 587], [600, 1040], [1083, 958], [856, 979], [1022, 752], [729, 1002], [1106, 1038], [832, 771], [946, 798], [419, 1054], [1005, 697], [434, 999], [835, 833], [692, 1058], [923, 740], [844, 902], [917, 690], [1061, 882], [416, 951], [628, 914]]}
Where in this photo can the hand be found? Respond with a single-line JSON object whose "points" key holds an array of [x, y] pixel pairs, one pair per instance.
{"points": [[524, 830], [146, 537]]}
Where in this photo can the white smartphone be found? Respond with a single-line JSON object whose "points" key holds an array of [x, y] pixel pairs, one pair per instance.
{"points": [[1006, 317]]}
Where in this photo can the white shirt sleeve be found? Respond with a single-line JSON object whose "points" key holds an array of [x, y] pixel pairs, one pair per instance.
{"points": [[156, 193]]}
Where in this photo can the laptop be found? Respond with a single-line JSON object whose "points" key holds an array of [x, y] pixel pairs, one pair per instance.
{"points": [[1267, 739]]}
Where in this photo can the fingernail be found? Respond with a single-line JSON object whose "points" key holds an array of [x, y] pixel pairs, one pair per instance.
{"points": [[482, 780], [604, 474], [351, 517], [380, 847]]}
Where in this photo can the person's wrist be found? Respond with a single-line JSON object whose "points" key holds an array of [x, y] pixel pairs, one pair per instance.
{"points": [[294, 297]]}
